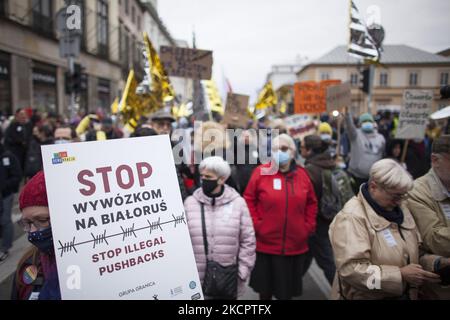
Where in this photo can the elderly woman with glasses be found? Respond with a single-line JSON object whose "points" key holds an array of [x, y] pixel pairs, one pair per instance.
{"points": [[36, 276], [376, 241]]}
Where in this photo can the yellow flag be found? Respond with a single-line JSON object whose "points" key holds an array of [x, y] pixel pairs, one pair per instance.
{"points": [[115, 106], [161, 87], [132, 106], [214, 99], [267, 97]]}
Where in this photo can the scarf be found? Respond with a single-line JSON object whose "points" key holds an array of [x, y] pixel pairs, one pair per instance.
{"points": [[395, 215]]}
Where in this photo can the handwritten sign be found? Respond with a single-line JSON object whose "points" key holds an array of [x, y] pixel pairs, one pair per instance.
{"points": [[338, 97], [118, 222], [236, 110], [187, 63], [414, 114], [310, 96]]}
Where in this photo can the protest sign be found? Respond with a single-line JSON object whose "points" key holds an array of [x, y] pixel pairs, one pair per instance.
{"points": [[236, 110], [118, 222], [414, 114], [338, 97], [306, 97], [187, 63], [300, 126], [310, 96]]}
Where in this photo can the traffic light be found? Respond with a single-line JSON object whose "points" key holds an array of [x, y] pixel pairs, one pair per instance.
{"points": [[76, 78], [365, 80], [74, 81]]}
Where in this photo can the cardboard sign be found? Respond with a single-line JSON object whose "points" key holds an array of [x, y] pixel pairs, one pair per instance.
{"points": [[338, 97], [187, 63], [414, 114], [236, 113], [300, 126], [310, 96], [118, 222]]}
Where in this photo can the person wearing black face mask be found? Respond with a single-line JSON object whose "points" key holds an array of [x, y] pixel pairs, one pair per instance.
{"points": [[228, 226], [36, 276]]}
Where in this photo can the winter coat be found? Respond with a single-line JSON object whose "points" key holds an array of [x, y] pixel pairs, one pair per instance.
{"points": [[366, 149], [283, 208], [315, 165], [11, 172], [17, 137], [229, 229], [365, 243], [427, 202]]}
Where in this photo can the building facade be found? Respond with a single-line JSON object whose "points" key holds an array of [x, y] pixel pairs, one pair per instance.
{"points": [[402, 67], [32, 73]]}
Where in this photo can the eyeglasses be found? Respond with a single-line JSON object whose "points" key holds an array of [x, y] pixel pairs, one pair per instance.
{"points": [[397, 196], [39, 224]]}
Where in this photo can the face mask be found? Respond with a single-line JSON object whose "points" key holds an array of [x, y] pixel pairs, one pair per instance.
{"points": [[367, 127], [281, 158], [42, 239], [62, 141], [325, 137], [208, 186]]}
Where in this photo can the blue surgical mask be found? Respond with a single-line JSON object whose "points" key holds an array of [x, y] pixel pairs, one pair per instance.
{"points": [[325, 137], [281, 157], [367, 127], [42, 239], [62, 141]]}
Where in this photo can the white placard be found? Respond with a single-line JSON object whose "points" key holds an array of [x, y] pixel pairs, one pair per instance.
{"points": [[414, 114], [118, 221]]}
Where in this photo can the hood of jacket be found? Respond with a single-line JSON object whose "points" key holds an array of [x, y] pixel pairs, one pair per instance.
{"points": [[322, 160]]}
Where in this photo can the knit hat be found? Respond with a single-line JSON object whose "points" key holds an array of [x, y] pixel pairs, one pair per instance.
{"points": [[34, 192], [313, 142], [366, 117], [324, 127]]}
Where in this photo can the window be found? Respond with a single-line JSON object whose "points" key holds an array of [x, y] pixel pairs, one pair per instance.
{"points": [[3, 4], [444, 79], [383, 79], [139, 23], [127, 7], [102, 27], [354, 80], [413, 79], [325, 76], [42, 16], [124, 47], [133, 14]]}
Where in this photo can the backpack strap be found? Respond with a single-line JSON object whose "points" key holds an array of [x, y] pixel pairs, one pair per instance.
{"points": [[327, 184]]}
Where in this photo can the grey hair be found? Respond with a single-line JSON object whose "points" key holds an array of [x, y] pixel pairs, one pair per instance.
{"points": [[216, 165], [285, 138], [390, 174]]}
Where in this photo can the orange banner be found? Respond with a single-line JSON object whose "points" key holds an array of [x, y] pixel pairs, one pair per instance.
{"points": [[310, 96]]}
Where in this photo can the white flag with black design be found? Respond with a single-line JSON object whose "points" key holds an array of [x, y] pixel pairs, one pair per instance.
{"points": [[361, 43]]}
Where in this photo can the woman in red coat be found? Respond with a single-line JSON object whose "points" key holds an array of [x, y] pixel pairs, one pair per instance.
{"points": [[283, 207]]}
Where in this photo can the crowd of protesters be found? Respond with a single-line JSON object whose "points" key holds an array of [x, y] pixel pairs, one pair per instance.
{"points": [[373, 211]]}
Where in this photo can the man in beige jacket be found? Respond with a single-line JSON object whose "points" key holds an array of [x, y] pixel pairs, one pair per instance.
{"points": [[429, 203]]}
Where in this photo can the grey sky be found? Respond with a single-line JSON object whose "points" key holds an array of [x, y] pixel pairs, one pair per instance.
{"points": [[249, 36]]}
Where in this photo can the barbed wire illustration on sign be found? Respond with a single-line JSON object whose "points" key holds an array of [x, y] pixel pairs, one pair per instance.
{"points": [[127, 232]]}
